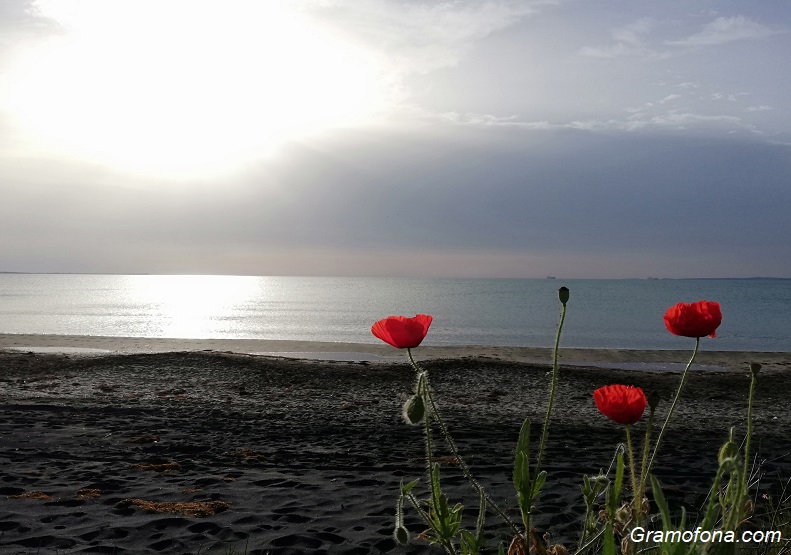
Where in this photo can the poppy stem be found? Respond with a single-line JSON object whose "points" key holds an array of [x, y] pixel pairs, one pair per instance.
{"points": [[673, 406], [430, 461], [452, 445], [749, 434], [545, 431], [646, 447], [638, 504]]}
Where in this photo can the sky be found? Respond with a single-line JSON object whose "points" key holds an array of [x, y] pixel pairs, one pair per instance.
{"points": [[578, 139]]}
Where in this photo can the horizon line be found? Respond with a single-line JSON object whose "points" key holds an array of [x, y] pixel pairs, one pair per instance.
{"points": [[554, 278]]}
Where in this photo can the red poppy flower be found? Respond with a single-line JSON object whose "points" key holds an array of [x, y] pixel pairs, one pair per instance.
{"points": [[402, 332], [623, 404], [694, 320]]}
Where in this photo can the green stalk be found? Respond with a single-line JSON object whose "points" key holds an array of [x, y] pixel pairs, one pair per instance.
{"points": [[545, 431], [527, 531], [430, 459], [645, 453], [749, 435], [593, 540], [673, 405], [452, 445], [638, 504]]}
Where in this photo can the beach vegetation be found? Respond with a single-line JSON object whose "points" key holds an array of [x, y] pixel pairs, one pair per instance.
{"points": [[618, 515]]}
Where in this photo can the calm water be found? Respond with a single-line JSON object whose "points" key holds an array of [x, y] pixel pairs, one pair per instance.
{"points": [[601, 314]]}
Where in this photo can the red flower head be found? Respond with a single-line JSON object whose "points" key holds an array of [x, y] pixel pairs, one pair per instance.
{"points": [[623, 404], [694, 320], [402, 332]]}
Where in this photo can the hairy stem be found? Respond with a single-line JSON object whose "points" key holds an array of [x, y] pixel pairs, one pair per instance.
{"points": [[673, 405], [743, 495], [646, 447], [545, 431], [638, 503], [452, 445]]}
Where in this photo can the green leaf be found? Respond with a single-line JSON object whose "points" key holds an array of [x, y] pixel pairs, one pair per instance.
{"points": [[522, 475], [619, 471], [609, 539], [712, 510], [436, 492], [614, 491], [523, 443], [522, 462], [469, 544], [680, 547], [406, 488], [540, 479], [481, 519], [661, 503]]}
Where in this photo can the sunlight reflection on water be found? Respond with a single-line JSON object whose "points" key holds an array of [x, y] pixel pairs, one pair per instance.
{"points": [[619, 314], [191, 306]]}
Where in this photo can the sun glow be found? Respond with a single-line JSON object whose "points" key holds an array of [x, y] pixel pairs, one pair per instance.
{"points": [[192, 306], [179, 87]]}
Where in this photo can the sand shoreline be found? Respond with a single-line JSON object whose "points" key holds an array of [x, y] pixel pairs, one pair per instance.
{"points": [[377, 352]]}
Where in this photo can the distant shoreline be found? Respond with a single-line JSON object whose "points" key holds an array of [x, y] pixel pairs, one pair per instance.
{"points": [[371, 352]]}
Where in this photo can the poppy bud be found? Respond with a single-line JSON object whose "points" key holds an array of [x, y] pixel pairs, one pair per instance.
{"points": [[401, 535], [623, 514], [728, 453], [653, 400], [414, 409], [563, 294], [755, 368]]}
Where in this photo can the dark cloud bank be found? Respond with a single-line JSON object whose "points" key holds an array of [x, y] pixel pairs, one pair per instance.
{"points": [[467, 189]]}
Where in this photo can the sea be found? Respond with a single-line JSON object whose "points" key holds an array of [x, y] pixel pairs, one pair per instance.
{"points": [[602, 313]]}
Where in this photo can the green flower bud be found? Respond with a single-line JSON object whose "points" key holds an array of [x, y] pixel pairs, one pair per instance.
{"points": [[414, 410], [623, 514], [653, 399], [401, 535], [563, 294], [755, 368], [728, 453]]}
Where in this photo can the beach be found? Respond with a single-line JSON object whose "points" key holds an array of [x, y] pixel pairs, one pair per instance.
{"points": [[124, 445]]}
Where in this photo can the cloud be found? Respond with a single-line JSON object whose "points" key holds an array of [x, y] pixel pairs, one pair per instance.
{"points": [[607, 52], [762, 108], [528, 194], [640, 119], [478, 119], [628, 40], [360, 204], [420, 37], [726, 29], [682, 121], [19, 23], [633, 33], [669, 98]]}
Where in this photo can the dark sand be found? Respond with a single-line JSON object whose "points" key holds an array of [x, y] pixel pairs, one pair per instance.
{"points": [[306, 456]]}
